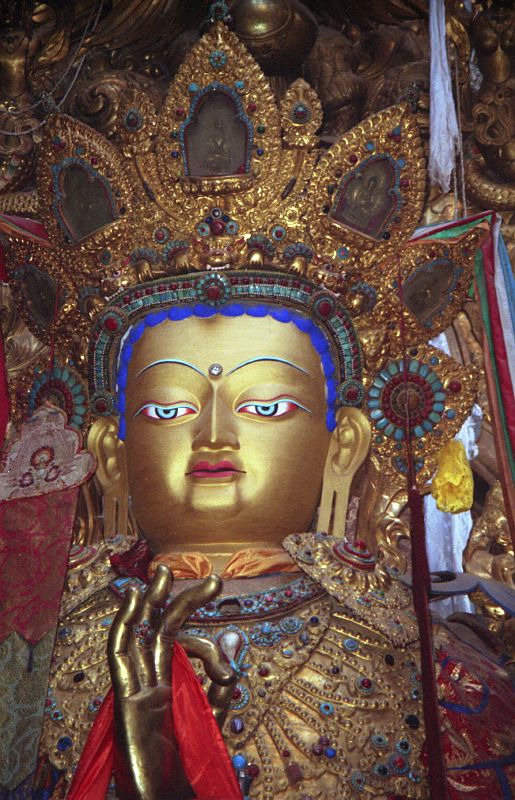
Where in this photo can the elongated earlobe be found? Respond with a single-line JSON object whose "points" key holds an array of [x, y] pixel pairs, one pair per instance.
{"points": [[347, 450], [111, 473]]}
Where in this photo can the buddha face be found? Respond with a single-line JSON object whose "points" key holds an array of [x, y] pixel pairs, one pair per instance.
{"points": [[226, 431]]}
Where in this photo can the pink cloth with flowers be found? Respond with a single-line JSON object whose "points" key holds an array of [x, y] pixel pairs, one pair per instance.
{"points": [[42, 472]]}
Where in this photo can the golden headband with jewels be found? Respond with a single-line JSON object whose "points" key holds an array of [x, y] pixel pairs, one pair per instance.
{"points": [[222, 184]]}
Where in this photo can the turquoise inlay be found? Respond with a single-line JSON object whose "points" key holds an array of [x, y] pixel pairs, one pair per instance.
{"points": [[374, 391], [389, 429], [376, 414], [438, 407], [375, 404], [393, 368], [427, 425], [414, 365], [418, 431], [424, 371], [381, 424], [399, 434]]}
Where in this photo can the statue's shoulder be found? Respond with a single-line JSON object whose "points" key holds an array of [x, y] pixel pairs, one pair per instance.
{"points": [[349, 572], [79, 676]]}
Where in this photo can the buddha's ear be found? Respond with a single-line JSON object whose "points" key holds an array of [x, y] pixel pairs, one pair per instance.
{"points": [[348, 448], [111, 473]]}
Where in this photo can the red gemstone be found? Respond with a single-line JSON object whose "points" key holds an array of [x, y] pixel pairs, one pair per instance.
{"points": [[286, 754], [288, 593], [101, 406], [366, 683], [214, 292], [263, 671], [251, 108], [253, 770], [352, 393], [160, 235], [454, 386], [404, 182], [353, 158], [359, 544], [236, 693], [217, 227], [399, 762], [94, 160], [111, 324], [324, 308], [295, 773], [179, 112]]}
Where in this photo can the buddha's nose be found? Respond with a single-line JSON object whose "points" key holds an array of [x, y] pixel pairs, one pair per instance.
{"points": [[216, 428]]}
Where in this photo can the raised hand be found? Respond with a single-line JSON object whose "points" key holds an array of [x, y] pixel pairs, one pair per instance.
{"points": [[140, 647]]}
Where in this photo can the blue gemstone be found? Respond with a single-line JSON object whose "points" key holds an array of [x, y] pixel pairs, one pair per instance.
{"points": [[239, 761], [239, 84], [64, 743], [434, 361], [314, 621], [237, 725], [450, 413], [260, 151], [370, 146], [401, 162], [193, 87], [330, 752]]}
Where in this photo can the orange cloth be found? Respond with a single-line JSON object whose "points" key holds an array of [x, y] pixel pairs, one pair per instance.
{"points": [[247, 563]]}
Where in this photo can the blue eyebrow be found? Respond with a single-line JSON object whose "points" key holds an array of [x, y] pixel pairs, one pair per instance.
{"points": [[267, 358], [171, 361]]}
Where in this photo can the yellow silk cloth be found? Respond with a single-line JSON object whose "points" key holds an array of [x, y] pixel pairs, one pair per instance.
{"points": [[247, 563]]}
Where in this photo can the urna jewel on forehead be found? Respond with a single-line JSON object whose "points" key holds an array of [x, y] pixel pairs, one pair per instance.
{"points": [[221, 197]]}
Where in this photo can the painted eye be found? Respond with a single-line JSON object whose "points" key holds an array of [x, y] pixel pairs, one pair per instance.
{"points": [[154, 411], [275, 408]]}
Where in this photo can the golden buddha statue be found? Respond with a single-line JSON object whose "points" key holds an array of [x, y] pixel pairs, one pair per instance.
{"points": [[231, 417]]}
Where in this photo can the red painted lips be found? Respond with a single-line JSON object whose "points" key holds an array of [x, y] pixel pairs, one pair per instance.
{"points": [[222, 469]]}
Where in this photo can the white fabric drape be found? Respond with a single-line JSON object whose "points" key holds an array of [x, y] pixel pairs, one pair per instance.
{"points": [[443, 124], [447, 534]]}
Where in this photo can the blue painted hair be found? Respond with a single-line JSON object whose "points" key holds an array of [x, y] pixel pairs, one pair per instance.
{"points": [[178, 313]]}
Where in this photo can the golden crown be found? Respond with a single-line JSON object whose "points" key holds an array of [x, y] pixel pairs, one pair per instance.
{"points": [[223, 193]]}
